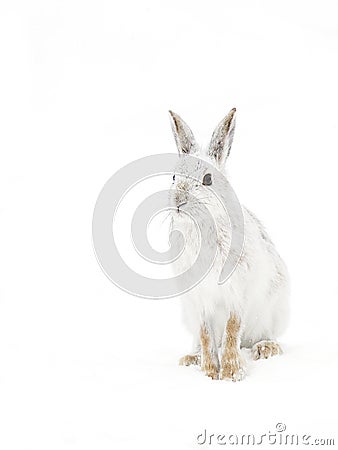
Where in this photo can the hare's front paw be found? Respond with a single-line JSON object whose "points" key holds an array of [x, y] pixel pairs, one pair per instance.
{"points": [[188, 360], [211, 369], [232, 369], [265, 349]]}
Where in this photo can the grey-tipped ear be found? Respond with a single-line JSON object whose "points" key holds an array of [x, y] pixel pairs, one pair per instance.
{"points": [[184, 138], [221, 140]]}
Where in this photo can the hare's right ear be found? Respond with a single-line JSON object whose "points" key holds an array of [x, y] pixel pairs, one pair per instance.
{"points": [[221, 141], [184, 138]]}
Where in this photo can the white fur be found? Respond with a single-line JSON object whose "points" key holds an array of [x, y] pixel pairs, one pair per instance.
{"points": [[258, 289]]}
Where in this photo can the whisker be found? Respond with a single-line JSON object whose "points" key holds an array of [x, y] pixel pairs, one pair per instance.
{"points": [[165, 218]]}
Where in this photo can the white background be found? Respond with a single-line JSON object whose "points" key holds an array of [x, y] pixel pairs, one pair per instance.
{"points": [[84, 89]]}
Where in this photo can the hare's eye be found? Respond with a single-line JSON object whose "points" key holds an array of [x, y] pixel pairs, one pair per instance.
{"points": [[174, 177], [207, 181]]}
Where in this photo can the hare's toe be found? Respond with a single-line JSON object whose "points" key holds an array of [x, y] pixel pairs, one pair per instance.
{"points": [[266, 349], [232, 369], [188, 360], [211, 370]]}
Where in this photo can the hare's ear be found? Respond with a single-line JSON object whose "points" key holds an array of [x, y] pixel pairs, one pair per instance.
{"points": [[221, 141], [184, 138]]}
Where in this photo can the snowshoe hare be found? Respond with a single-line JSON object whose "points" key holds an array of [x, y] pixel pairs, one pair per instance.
{"points": [[251, 308]]}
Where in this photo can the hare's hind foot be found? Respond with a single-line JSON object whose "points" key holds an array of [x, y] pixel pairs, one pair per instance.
{"points": [[189, 360], [266, 349]]}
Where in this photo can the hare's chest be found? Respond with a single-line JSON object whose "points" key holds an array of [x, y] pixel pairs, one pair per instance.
{"points": [[190, 249], [201, 245]]}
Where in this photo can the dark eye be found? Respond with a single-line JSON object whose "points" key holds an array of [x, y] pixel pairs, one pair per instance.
{"points": [[174, 177], [207, 181]]}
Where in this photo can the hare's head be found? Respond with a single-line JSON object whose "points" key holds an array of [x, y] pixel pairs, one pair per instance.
{"points": [[192, 181]]}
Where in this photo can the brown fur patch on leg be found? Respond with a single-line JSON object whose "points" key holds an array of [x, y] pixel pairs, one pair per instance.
{"points": [[188, 360], [208, 361], [266, 349], [231, 362]]}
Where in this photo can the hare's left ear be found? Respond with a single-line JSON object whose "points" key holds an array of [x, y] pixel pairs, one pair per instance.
{"points": [[221, 141], [184, 137]]}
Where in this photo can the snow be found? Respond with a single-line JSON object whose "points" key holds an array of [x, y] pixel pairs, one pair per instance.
{"points": [[85, 88]]}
